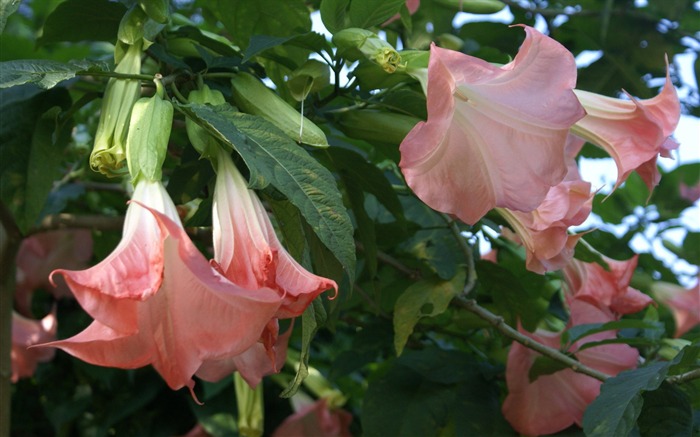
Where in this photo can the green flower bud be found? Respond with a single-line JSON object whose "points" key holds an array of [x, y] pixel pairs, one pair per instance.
{"points": [[312, 76], [157, 10], [449, 41], [149, 133], [376, 126], [120, 95], [131, 26], [353, 43], [202, 140], [474, 6], [250, 407], [253, 97]]}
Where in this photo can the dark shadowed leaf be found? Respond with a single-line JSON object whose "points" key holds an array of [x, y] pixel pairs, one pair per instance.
{"points": [[83, 20]]}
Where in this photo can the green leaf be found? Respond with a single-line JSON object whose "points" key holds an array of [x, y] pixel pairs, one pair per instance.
{"points": [[425, 298], [273, 158], [289, 224], [311, 41], [691, 248], [83, 20], [586, 253], [614, 412], [7, 8], [245, 18], [44, 73], [544, 366], [666, 412], [312, 319], [368, 13], [31, 150], [575, 333], [334, 14]]}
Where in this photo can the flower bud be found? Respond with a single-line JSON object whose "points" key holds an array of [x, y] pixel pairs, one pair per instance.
{"points": [[131, 26], [353, 43], [120, 95], [149, 133], [474, 6], [157, 10], [312, 76], [202, 140], [250, 407], [376, 126], [253, 97]]}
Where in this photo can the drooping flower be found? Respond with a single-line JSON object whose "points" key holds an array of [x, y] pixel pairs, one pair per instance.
{"points": [[156, 300], [315, 419], [248, 253], [28, 332], [556, 401], [633, 132], [611, 290], [544, 231], [684, 304], [41, 253], [494, 136], [247, 249]]}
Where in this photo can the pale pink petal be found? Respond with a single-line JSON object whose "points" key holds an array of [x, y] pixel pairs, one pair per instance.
{"points": [[253, 364], [684, 304], [633, 132], [25, 333], [494, 137], [316, 420], [691, 193], [247, 249]]}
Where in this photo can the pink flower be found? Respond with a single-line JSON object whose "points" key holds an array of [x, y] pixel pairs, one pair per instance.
{"points": [[691, 193], [590, 282], [544, 231], [28, 332], [248, 253], [156, 300], [40, 254], [554, 402], [633, 132], [246, 247], [316, 420], [684, 304], [495, 136]]}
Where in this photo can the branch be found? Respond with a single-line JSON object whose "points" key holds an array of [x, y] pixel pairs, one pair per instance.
{"points": [[684, 377], [71, 221], [508, 331], [466, 251]]}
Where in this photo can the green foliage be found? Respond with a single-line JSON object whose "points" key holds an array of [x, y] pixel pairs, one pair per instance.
{"points": [[99, 21]]}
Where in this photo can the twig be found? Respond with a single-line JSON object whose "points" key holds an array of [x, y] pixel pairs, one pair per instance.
{"points": [[505, 329], [393, 262], [466, 251], [70, 221], [684, 377]]}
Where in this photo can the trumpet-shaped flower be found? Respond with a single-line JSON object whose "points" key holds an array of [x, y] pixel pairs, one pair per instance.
{"points": [[684, 304], [556, 401], [633, 132], [156, 300], [495, 136], [544, 231], [590, 282], [28, 332], [40, 254], [246, 247]]}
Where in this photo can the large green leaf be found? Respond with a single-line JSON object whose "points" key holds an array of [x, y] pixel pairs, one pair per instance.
{"points": [[7, 8], [83, 20], [311, 41], [425, 298], [615, 411], [44, 73], [31, 149], [666, 411], [245, 18], [334, 14], [273, 158], [368, 13]]}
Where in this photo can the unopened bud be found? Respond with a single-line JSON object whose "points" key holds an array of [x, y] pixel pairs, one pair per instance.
{"points": [[474, 6], [312, 76], [202, 140], [376, 126], [354, 43]]}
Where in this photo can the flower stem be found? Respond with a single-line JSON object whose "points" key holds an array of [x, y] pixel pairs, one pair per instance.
{"points": [[148, 77]]}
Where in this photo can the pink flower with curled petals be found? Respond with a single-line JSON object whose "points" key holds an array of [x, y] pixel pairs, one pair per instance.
{"points": [[556, 401], [684, 304], [590, 282], [248, 253], [28, 332], [494, 136], [544, 231], [633, 132], [159, 301], [41, 253], [317, 420]]}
